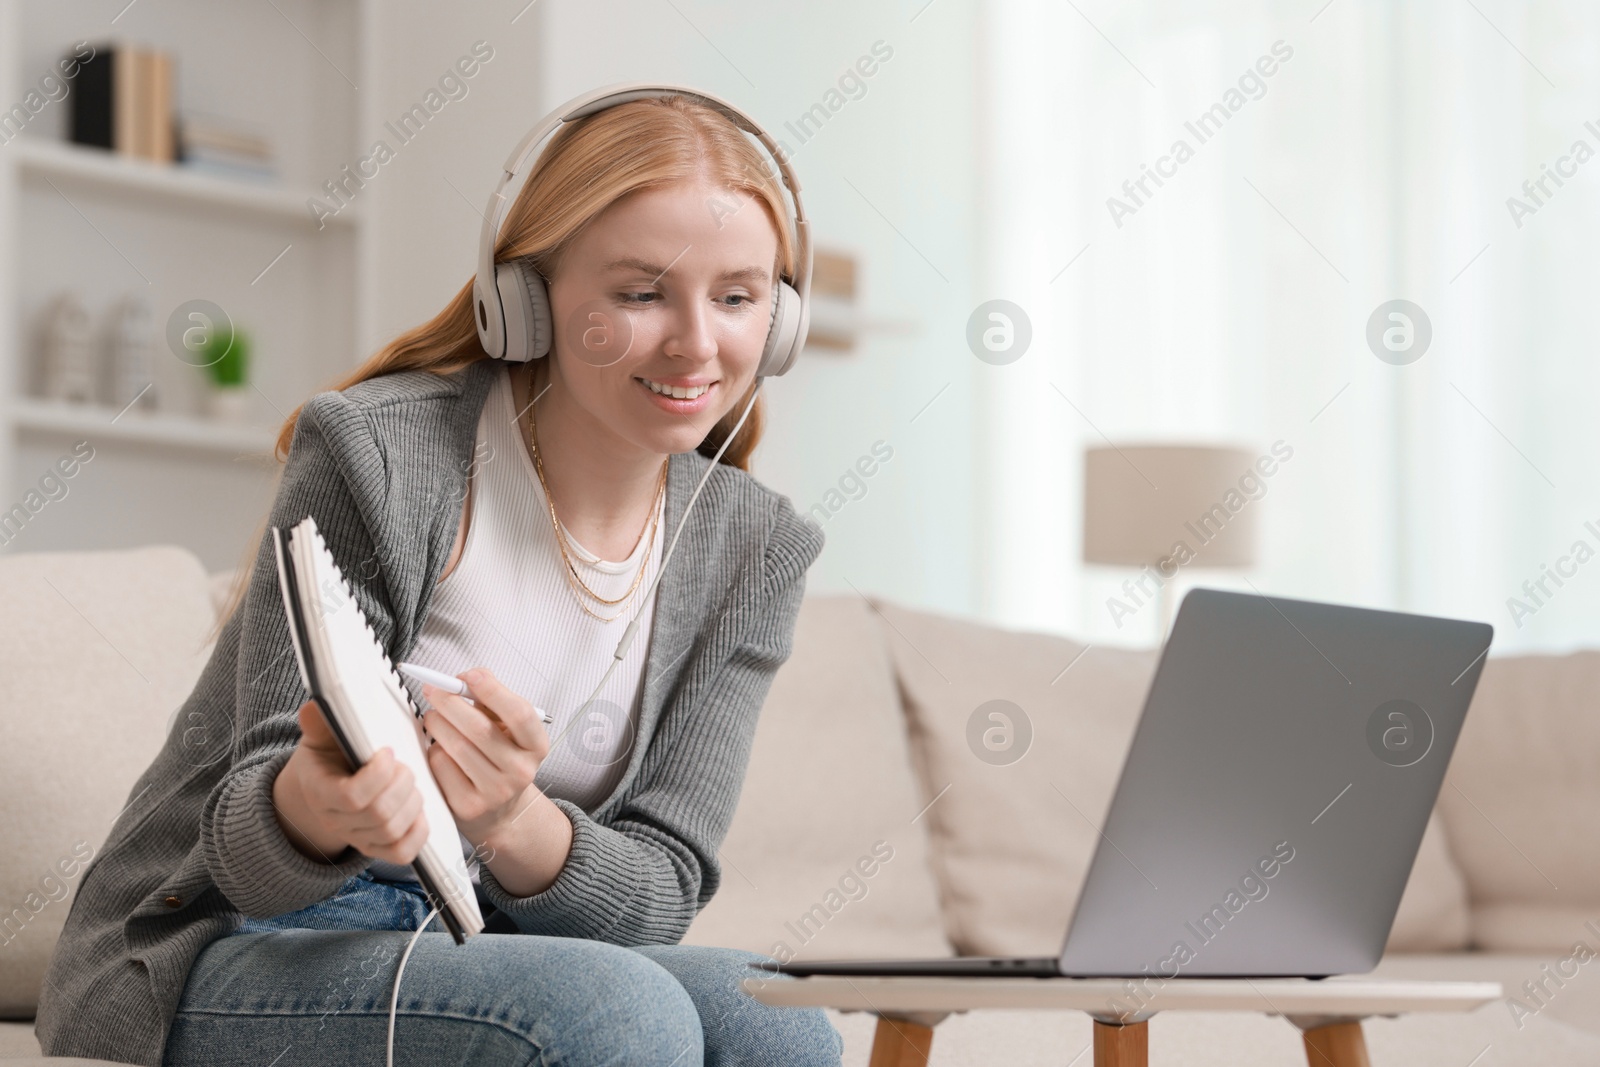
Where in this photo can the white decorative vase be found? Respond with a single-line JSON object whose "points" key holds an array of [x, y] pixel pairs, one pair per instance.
{"points": [[68, 352], [228, 403], [132, 339]]}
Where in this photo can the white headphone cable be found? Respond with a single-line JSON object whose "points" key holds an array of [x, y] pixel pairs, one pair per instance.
{"points": [[394, 999], [633, 625], [622, 650]]}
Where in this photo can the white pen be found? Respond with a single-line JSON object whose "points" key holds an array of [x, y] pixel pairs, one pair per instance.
{"points": [[449, 683]]}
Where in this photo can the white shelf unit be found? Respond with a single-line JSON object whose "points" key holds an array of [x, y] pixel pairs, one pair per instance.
{"points": [[103, 422], [107, 227], [133, 178]]}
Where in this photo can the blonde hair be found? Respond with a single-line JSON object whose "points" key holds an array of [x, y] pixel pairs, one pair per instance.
{"points": [[586, 167]]}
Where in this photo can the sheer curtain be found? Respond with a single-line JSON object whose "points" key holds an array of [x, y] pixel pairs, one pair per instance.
{"points": [[1500, 429], [1314, 162]]}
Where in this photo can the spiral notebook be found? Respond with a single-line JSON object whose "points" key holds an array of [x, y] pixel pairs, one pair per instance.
{"points": [[353, 681]]}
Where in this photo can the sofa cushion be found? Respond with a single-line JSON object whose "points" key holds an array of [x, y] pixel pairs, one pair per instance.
{"points": [[19, 1048], [102, 649], [1525, 927], [1520, 804], [823, 858], [1012, 841]]}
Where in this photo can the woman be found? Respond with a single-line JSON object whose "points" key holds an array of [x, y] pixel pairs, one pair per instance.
{"points": [[254, 909]]}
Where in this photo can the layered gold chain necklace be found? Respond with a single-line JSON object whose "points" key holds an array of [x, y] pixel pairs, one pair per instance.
{"points": [[580, 588]]}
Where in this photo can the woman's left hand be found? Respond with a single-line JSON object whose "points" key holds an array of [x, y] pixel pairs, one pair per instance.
{"points": [[485, 756]]}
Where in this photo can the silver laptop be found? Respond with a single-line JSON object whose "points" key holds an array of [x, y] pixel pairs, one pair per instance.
{"points": [[1273, 799]]}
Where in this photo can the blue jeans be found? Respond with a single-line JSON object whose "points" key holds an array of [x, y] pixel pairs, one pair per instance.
{"points": [[312, 987]]}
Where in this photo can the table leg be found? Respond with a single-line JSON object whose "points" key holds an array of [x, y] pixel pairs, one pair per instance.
{"points": [[1121, 1046], [1339, 1044], [901, 1043]]}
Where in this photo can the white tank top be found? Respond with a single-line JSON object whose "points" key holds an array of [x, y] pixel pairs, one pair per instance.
{"points": [[507, 606]]}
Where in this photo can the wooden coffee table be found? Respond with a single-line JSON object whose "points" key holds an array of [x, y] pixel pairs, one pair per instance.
{"points": [[1328, 1012]]}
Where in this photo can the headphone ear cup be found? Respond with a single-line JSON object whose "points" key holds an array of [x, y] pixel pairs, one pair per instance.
{"points": [[526, 302], [489, 319], [791, 319]]}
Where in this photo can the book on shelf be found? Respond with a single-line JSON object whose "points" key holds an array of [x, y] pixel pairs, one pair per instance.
{"points": [[122, 101], [226, 147], [156, 102]]}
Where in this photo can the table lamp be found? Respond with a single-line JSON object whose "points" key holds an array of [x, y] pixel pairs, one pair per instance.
{"points": [[1165, 507]]}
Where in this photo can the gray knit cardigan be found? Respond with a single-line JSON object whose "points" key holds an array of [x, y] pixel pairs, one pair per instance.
{"points": [[382, 466]]}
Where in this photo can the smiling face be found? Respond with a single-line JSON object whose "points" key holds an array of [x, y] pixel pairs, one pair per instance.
{"points": [[661, 306]]}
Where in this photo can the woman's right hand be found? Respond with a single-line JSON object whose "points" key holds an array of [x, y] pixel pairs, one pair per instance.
{"points": [[323, 807]]}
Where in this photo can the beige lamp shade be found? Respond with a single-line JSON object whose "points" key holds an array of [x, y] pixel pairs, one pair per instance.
{"points": [[1191, 504]]}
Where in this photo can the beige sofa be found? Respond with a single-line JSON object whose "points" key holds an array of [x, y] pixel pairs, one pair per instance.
{"points": [[862, 764]]}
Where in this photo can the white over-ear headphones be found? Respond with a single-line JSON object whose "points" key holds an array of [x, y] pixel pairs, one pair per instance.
{"points": [[514, 323], [512, 303]]}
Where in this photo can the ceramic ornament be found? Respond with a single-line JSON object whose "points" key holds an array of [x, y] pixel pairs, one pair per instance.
{"points": [[132, 345], [68, 352]]}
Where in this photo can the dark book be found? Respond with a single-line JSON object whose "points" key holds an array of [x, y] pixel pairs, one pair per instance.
{"points": [[92, 118], [122, 101]]}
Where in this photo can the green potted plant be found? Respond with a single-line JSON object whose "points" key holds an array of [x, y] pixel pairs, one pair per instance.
{"points": [[227, 362]]}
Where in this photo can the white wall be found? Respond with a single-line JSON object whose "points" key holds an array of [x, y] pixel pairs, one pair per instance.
{"points": [[890, 175]]}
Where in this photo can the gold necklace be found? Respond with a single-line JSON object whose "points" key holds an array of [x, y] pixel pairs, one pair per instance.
{"points": [[579, 587], [563, 541], [574, 579]]}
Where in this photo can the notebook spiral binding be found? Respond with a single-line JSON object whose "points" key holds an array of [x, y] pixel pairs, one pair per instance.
{"points": [[332, 593], [391, 680]]}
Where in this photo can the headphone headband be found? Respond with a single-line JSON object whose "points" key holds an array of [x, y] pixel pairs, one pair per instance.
{"points": [[491, 314]]}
